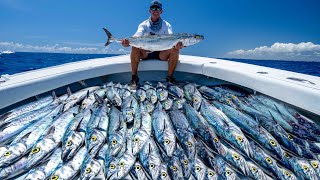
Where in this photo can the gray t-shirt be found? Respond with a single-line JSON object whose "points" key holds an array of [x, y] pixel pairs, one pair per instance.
{"points": [[144, 29]]}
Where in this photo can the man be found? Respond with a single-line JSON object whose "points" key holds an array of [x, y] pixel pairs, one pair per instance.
{"points": [[153, 26]]}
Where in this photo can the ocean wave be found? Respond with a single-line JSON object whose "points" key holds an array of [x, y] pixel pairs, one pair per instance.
{"points": [[7, 52]]}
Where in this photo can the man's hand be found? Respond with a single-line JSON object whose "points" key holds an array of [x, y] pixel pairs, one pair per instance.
{"points": [[125, 43], [179, 46]]}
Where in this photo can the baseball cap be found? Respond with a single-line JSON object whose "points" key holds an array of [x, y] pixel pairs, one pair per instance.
{"points": [[156, 3]]}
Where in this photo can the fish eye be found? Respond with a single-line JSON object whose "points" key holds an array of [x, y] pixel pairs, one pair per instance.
{"points": [[254, 169], [228, 172], [239, 138], [129, 113], [314, 164], [166, 103], [161, 94], [136, 140], [164, 174], [93, 138], [112, 166], [216, 140], [287, 173], [35, 150], [273, 143], [114, 142], [121, 164], [185, 162], [198, 168], [138, 167], [268, 160], [286, 155], [167, 141], [235, 156], [69, 143], [228, 101], [211, 173], [88, 170], [189, 144], [178, 102], [55, 177], [195, 100], [8, 153], [152, 166], [234, 97], [174, 168], [290, 137], [305, 168]]}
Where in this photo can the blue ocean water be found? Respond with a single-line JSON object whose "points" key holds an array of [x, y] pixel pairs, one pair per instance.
{"points": [[26, 61]]}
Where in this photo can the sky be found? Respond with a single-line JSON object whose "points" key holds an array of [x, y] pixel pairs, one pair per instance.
{"points": [[256, 29]]}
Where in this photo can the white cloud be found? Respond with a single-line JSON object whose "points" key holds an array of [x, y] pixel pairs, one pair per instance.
{"points": [[304, 51], [19, 47]]}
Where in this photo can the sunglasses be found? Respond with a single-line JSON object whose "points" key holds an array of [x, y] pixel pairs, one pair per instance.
{"points": [[155, 9]]}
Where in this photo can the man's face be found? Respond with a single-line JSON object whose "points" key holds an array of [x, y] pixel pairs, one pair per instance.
{"points": [[155, 12]]}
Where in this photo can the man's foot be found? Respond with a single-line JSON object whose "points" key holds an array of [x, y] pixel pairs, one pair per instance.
{"points": [[134, 82], [172, 80]]}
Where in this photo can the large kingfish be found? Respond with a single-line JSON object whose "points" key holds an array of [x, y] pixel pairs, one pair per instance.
{"points": [[48, 142], [151, 159], [158, 42], [27, 138]]}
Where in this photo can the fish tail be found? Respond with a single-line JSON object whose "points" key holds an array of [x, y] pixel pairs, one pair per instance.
{"points": [[110, 37]]}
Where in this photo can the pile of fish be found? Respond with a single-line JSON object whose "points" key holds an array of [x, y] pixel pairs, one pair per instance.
{"points": [[159, 131]]}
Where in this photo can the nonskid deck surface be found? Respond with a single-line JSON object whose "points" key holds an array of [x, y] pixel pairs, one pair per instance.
{"points": [[185, 130]]}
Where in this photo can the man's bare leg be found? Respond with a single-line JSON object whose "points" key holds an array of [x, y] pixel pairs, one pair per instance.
{"points": [[172, 56]]}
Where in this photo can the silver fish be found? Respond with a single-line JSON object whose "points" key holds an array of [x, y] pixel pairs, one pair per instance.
{"points": [[77, 97], [27, 138], [151, 95], [184, 132], [162, 93], [193, 95], [257, 172], [224, 128], [167, 104], [126, 161], [48, 142], [90, 168], [158, 42], [149, 106], [44, 171], [9, 130], [129, 108], [163, 130], [14, 169], [90, 99], [27, 108], [113, 96], [73, 140], [151, 159], [71, 168], [141, 95], [315, 165], [178, 103], [138, 171], [175, 91]]}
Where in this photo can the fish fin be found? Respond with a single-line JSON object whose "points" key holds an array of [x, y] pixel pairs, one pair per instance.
{"points": [[25, 136], [54, 95], [83, 83], [69, 91], [98, 98], [50, 131], [109, 35], [3, 117]]}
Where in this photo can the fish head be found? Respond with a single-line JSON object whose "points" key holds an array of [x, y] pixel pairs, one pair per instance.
{"points": [[169, 142], [162, 94], [125, 164], [149, 106], [95, 141], [63, 173], [167, 104], [237, 160], [128, 114], [141, 94], [13, 153], [178, 103], [139, 139], [36, 174], [115, 143], [199, 169], [72, 144], [229, 173], [175, 168], [196, 101], [117, 100], [111, 169], [189, 146], [211, 174], [316, 165], [242, 142], [164, 173], [139, 171], [40, 151], [151, 95], [286, 174], [91, 169], [5, 172], [154, 168]]}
